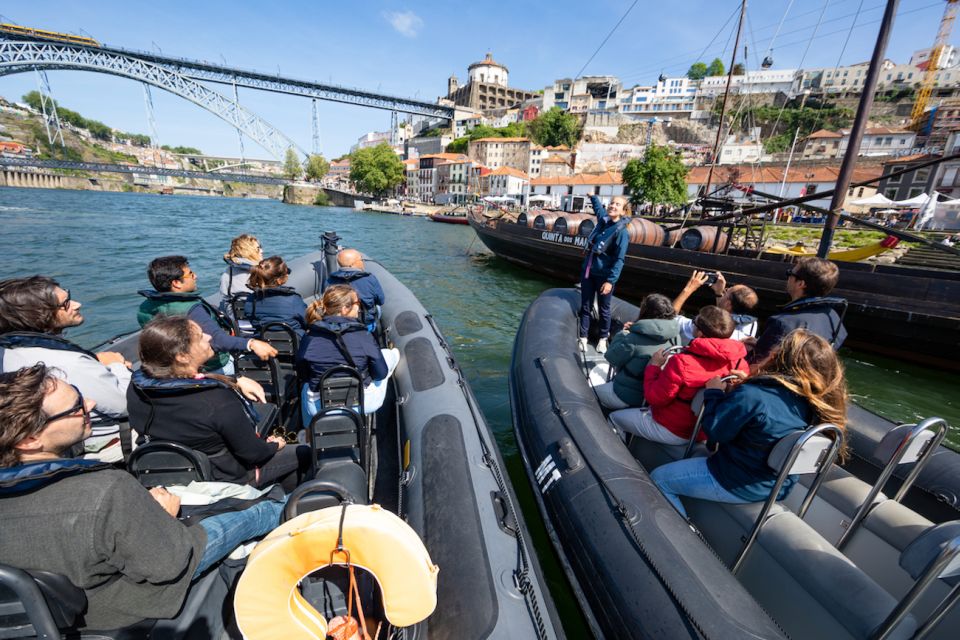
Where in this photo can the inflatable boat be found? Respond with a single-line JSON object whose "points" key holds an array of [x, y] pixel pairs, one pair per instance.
{"points": [[840, 558], [434, 479]]}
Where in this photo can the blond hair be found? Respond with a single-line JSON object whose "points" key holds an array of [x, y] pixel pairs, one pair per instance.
{"points": [[335, 297], [243, 246], [627, 212]]}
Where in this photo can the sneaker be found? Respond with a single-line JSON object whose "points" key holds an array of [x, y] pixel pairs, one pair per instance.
{"points": [[583, 344], [602, 345]]}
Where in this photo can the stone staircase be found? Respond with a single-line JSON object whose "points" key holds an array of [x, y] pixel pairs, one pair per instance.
{"points": [[923, 256]]}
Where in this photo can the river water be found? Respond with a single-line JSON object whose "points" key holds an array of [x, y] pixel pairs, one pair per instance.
{"points": [[98, 245]]}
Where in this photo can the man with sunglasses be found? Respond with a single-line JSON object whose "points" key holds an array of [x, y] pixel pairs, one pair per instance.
{"points": [[809, 283], [93, 523], [175, 293], [34, 312]]}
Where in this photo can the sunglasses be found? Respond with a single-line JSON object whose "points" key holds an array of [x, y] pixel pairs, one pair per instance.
{"points": [[79, 405], [65, 305], [790, 273]]}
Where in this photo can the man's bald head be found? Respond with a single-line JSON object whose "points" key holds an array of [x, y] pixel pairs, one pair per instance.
{"points": [[349, 258]]}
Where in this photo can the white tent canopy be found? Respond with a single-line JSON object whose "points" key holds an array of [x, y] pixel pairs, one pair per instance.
{"points": [[916, 201], [500, 199], [540, 198], [876, 200], [950, 203]]}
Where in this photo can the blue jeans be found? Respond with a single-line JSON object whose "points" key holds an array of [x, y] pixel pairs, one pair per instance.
{"points": [[691, 477], [227, 531], [590, 288]]}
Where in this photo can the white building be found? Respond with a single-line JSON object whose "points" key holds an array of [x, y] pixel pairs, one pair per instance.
{"points": [[763, 81], [507, 181], [880, 141], [464, 125], [669, 97], [740, 150], [572, 193], [583, 94], [948, 57]]}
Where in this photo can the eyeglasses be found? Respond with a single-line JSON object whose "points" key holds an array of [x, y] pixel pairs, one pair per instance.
{"points": [[79, 405], [288, 270], [65, 305], [790, 273]]}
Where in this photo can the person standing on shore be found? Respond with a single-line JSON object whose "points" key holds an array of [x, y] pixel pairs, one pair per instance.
{"points": [[606, 250]]}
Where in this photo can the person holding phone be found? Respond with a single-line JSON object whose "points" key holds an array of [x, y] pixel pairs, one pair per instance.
{"points": [[738, 300]]}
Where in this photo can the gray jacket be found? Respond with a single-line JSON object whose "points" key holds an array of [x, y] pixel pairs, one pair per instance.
{"points": [[108, 536]]}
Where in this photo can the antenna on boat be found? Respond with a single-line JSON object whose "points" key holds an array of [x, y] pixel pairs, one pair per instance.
{"points": [[859, 125], [726, 92]]}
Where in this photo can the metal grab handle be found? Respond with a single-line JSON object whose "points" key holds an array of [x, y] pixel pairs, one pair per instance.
{"points": [[696, 426]]}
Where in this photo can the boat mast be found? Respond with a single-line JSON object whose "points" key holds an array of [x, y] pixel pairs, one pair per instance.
{"points": [[859, 125], [726, 92]]}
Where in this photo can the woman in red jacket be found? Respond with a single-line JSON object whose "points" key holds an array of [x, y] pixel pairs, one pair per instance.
{"points": [[670, 384]]}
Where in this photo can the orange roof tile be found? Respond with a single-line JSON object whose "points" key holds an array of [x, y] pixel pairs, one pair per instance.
{"points": [[823, 133], [555, 160], [454, 157], [609, 177], [749, 174], [509, 171], [915, 157]]}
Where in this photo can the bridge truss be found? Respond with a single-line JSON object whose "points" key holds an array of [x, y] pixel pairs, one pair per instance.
{"points": [[20, 56]]}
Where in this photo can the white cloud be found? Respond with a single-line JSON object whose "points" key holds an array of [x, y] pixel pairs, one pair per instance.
{"points": [[407, 23]]}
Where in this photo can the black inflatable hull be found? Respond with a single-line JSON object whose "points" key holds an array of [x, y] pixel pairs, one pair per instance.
{"points": [[638, 570]]}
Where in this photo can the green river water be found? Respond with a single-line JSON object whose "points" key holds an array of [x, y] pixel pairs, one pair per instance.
{"points": [[98, 245]]}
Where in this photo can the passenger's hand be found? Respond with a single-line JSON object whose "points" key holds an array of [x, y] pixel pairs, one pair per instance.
{"points": [[716, 383], [264, 350], [720, 285], [251, 389], [697, 279], [111, 357], [169, 502], [627, 325], [606, 288], [281, 443], [658, 358]]}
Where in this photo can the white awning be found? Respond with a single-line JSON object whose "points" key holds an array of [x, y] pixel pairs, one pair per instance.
{"points": [[876, 200], [540, 198], [916, 201]]}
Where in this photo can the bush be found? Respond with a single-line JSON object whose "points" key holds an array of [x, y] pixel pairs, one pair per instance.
{"points": [[322, 199]]}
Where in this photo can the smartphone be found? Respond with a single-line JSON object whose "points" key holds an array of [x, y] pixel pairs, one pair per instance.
{"points": [[712, 278]]}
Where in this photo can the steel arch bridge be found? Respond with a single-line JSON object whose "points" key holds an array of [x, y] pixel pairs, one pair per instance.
{"points": [[20, 56]]}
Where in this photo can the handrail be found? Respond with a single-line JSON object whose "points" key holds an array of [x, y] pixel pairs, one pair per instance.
{"points": [[696, 425]]}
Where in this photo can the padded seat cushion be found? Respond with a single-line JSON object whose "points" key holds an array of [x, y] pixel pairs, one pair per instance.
{"points": [[925, 549]]}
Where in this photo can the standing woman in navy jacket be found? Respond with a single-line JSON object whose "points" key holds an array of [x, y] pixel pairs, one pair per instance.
{"points": [[271, 301], [606, 249], [802, 386]]}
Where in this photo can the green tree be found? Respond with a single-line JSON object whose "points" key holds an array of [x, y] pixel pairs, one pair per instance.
{"points": [[739, 69], [555, 127], [376, 170], [317, 167], [291, 165], [459, 145], [697, 71], [658, 178], [716, 68], [188, 151]]}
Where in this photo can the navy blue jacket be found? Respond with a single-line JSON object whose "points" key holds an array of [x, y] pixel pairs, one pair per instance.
{"points": [[817, 315], [319, 350], [607, 244], [276, 304], [365, 284], [747, 423]]}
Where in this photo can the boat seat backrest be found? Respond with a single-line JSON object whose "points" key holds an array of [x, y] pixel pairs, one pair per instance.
{"points": [[335, 431], [918, 557], [156, 464], [337, 484], [893, 440], [808, 458], [283, 338], [341, 386], [38, 603]]}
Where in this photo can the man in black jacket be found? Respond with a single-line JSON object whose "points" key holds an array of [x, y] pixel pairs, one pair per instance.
{"points": [[93, 523], [809, 282]]}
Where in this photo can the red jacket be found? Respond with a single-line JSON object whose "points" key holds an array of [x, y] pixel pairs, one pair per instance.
{"points": [[670, 390]]}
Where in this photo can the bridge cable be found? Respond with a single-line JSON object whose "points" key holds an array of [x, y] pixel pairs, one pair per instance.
{"points": [[236, 102], [151, 123], [48, 107]]}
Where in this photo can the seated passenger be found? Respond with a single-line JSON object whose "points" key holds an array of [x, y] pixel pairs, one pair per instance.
{"points": [[270, 300], [802, 386], [669, 385], [34, 312], [96, 524], [366, 285], [630, 351], [809, 281], [336, 337], [739, 300], [207, 415], [175, 293], [244, 253]]}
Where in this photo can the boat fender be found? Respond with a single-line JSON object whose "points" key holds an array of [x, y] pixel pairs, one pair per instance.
{"points": [[268, 604]]}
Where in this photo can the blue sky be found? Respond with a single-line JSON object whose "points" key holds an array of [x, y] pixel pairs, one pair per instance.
{"points": [[410, 48]]}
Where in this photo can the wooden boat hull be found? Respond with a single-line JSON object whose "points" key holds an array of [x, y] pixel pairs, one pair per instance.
{"points": [[907, 313], [440, 217]]}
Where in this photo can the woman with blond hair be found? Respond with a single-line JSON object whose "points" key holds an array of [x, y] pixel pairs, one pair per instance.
{"points": [[271, 300], [605, 251], [245, 252], [335, 336], [803, 385]]}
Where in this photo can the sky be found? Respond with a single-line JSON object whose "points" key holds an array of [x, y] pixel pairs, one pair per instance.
{"points": [[411, 48]]}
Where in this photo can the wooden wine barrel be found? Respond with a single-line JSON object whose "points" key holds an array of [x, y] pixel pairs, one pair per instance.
{"points": [[526, 218], [575, 224], [670, 238], [703, 239], [546, 219], [642, 231]]}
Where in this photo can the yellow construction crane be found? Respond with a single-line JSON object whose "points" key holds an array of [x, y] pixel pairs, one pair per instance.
{"points": [[933, 64]]}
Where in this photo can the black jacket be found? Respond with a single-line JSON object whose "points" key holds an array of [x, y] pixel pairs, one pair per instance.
{"points": [[822, 316]]}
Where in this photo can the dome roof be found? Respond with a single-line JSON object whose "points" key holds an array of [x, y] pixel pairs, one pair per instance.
{"points": [[488, 61]]}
